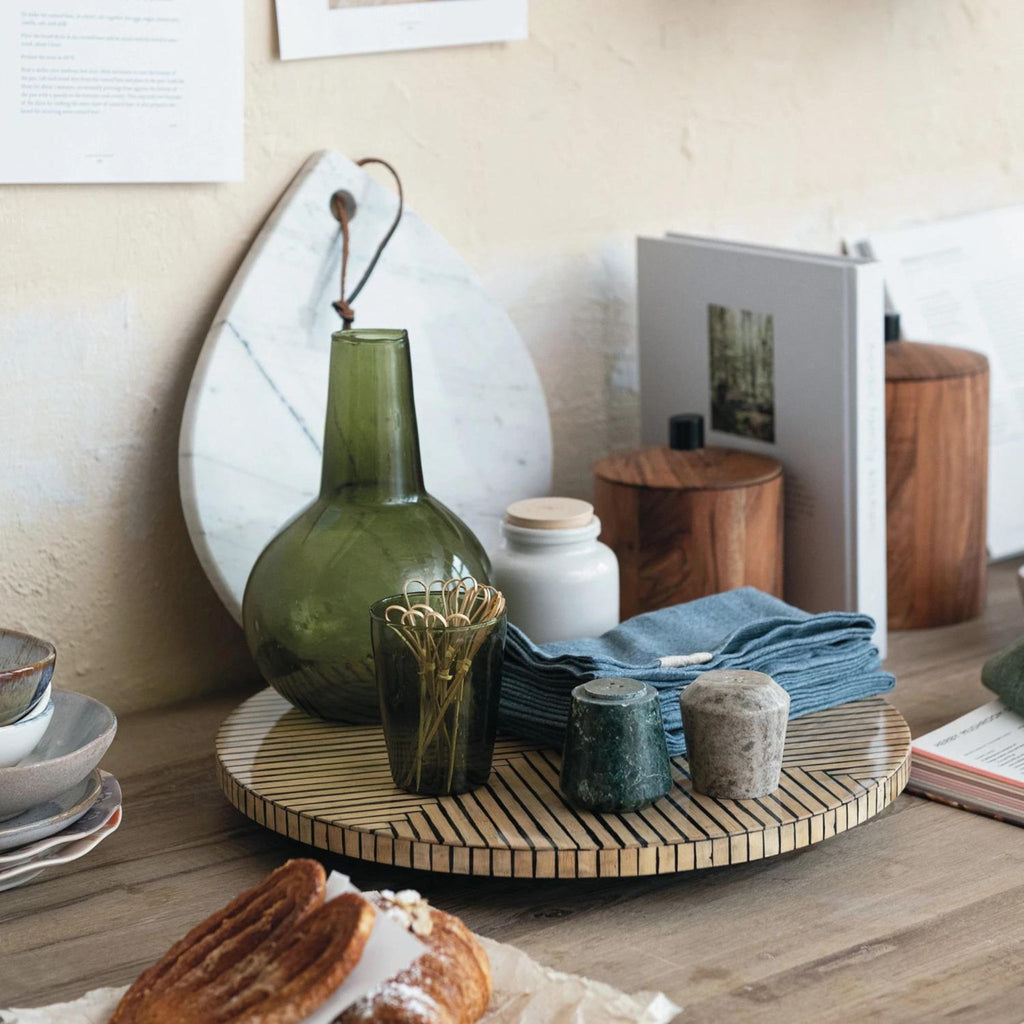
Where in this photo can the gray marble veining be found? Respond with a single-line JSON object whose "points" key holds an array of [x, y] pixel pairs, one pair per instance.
{"points": [[735, 726], [253, 425]]}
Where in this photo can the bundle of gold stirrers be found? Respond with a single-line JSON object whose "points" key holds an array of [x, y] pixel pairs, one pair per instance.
{"points": [[444, 649]]}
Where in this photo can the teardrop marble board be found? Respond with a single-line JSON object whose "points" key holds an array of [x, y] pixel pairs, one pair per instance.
{"points": [[329, 786], [251, 435]]}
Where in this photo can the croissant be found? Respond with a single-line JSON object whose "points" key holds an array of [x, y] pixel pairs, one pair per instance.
{"points": [[449, 984], [271, 956]]}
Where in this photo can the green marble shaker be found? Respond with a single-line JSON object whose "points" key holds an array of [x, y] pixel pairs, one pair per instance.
{"points": [[615, 757]]}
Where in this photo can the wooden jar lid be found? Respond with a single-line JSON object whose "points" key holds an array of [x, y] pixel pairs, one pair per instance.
{"points": [[550, 513], [916, 360], [700, 469]]}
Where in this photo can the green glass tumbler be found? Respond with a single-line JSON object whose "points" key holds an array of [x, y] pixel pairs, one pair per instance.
{"points": [[372, 528], [439, 688]]}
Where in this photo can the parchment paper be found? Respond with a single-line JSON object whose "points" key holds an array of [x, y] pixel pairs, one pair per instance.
{"points": [[525, 992], [529, 993]]}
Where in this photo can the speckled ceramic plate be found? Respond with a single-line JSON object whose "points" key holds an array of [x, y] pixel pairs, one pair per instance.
{"points": [[51, 834], [22, 873], [53, 816]]}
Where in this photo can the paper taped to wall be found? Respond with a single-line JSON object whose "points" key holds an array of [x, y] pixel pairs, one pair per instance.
{"points": [[961, 282], [121, 90], [324, 28]]}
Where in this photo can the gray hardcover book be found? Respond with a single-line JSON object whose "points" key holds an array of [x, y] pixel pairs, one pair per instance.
{"points": [[783, 354]]}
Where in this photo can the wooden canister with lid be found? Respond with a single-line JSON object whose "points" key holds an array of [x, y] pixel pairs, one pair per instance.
{"points": [[936, 440], [686, 521]]}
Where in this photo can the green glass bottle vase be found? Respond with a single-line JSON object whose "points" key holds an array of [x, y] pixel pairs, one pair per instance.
{"points": [[372, 528]]}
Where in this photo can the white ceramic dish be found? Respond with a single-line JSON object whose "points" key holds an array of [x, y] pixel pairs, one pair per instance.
{"points": [[25, 872], [46, 833], [78, 736], [44, 699], [17, 741]]}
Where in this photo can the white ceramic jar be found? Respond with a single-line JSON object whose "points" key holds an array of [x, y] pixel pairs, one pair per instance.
{"points": [[560, 582]]}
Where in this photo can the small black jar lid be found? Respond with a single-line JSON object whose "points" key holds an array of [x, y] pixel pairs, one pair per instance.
{"points": [[892, 327], [686, 432]]}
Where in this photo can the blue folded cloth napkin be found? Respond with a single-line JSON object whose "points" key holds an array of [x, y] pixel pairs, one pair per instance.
{"points": [[821, 660]]}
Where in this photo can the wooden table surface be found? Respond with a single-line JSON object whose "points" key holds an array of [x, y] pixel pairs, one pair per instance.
{"points": [[917, 915]]}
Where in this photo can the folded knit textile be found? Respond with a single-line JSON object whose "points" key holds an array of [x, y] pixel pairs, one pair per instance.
{"points": [[821, 660], [1003, 674]]}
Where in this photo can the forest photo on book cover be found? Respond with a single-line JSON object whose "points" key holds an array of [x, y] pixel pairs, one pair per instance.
{"points": [[741, 354]]}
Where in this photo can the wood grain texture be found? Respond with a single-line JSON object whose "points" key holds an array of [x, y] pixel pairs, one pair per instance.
{"points": [[936, 417], [685, 524], [700, 469], [329, 786], [912, 917], [914, 361]]}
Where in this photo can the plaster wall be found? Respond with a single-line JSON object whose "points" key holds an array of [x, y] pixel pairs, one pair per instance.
{"points": [[791, 122]]}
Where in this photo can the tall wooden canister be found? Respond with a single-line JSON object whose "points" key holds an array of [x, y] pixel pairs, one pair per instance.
{"points": [[686, 521], [936, 440]]}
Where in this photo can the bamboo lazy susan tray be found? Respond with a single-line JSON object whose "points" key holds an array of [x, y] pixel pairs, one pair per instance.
{"points": [[329, 786]]}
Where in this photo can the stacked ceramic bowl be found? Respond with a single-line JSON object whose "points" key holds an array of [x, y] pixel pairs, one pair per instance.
{"points": [[55, 803]]}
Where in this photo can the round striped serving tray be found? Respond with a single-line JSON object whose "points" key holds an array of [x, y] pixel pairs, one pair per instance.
{"points": [[329, 786]]}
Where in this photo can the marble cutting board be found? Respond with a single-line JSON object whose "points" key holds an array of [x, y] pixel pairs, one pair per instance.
{"points": [[251, 435]]}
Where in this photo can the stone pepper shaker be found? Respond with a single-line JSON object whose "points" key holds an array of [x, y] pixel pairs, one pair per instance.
{"points": [[615, 756], [735, 727]]}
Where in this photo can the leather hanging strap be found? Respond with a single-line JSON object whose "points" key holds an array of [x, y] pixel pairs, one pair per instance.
{"points": [[343, 305]]}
